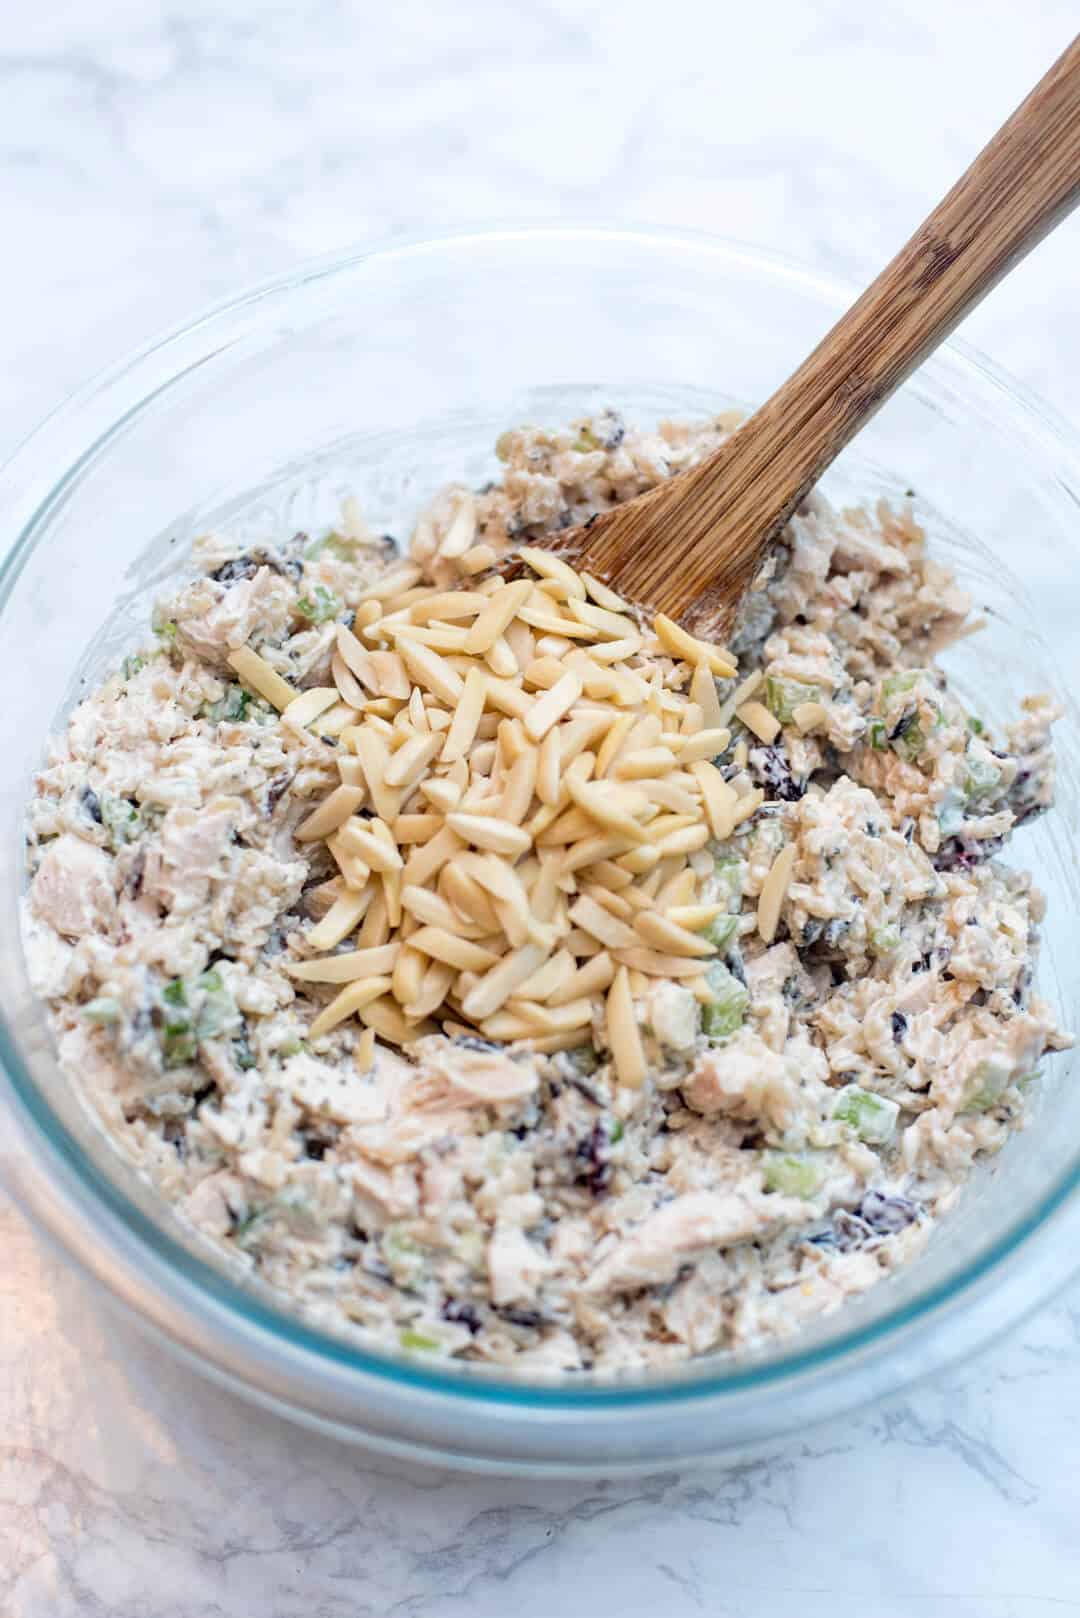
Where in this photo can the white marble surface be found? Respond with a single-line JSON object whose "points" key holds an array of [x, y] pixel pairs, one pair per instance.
{"points": [[152, 157]]}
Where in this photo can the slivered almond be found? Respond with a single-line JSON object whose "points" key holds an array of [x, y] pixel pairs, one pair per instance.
{"points": [[467, 896], [519, 787], [334, 810], [606, 625], [655, 965], [500, 659], [476, 560], [611, 807], [809, 716], [617, 735], [669, 795], [388, 1021], [391, 675], [431, 856], [676, 640], [703, 694], [358, 660], [408, 975], [747, 805], [348, 685], [443, 794], [496, 986], [438, 980], [638, 860], [393, 582], [416, 828], [543, 672], [617, 651], [601, 924], [507, 697], [592, 978], [552, 977], [624, 1037], [459, 953], [549, 764], [647, 762], [448, 604], [347, 1004], [742, 692], [344, 915], [549, 623], [440, 637], [718, 796], [433, 910], [411, 761], [706, 744], [486, 831], [602, 595], [346, 967], [374, 754], [256, 672], [687, 840], [467, 714], [431, 670], [551, 707], [501, 608], [756, 717], [774, 892], [365, 1051], [379, 853], [608, 900], [695, 917], [678, 888], [554, 1019], [660, 932], [375, 928], [554, 568]]}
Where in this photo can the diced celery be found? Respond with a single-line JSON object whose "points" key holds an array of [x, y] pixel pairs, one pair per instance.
{"points": [[783, 696], [131, 666], [674, 1015], [895, 683], [178, 1042], [121, 820], [982, 778], [218, 1014], [884, 941], [872, 1117], [988, 1084], [164, 628], [721, 931], [724, 1015], [418, 1342], [233, 706], [320, 606], [292, 1046], [585, 1059], [586, 441], [794, 1174], [876, 735], [729, 878], [333, 544], [102, 1010], [975, 725], [617, 1132]]}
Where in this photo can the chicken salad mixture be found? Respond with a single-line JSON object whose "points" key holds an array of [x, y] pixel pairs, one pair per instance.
{"points": [[501, 973]]}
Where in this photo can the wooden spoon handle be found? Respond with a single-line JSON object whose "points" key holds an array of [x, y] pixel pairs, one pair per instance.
{"points": [[712, 533]]}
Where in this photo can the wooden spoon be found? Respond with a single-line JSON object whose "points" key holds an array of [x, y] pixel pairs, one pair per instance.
{"points": [[692, 546]]}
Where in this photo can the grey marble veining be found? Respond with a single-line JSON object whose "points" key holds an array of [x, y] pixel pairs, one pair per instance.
{"points": [[153, 156]]}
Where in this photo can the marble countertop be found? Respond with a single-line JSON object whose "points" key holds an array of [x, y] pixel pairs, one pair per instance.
{"points": [[155, 154]]}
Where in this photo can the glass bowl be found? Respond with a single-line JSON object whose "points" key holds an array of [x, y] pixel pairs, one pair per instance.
{"points": [[384, 374]]}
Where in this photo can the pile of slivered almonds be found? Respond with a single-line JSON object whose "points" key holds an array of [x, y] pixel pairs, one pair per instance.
{"points": [[526, 793]]}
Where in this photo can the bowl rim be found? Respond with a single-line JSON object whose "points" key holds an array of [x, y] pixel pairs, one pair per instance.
{"points": [[180, 1277]]}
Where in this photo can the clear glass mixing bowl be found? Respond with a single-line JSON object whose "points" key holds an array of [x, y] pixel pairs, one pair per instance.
{"points": [[384, 374]]}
